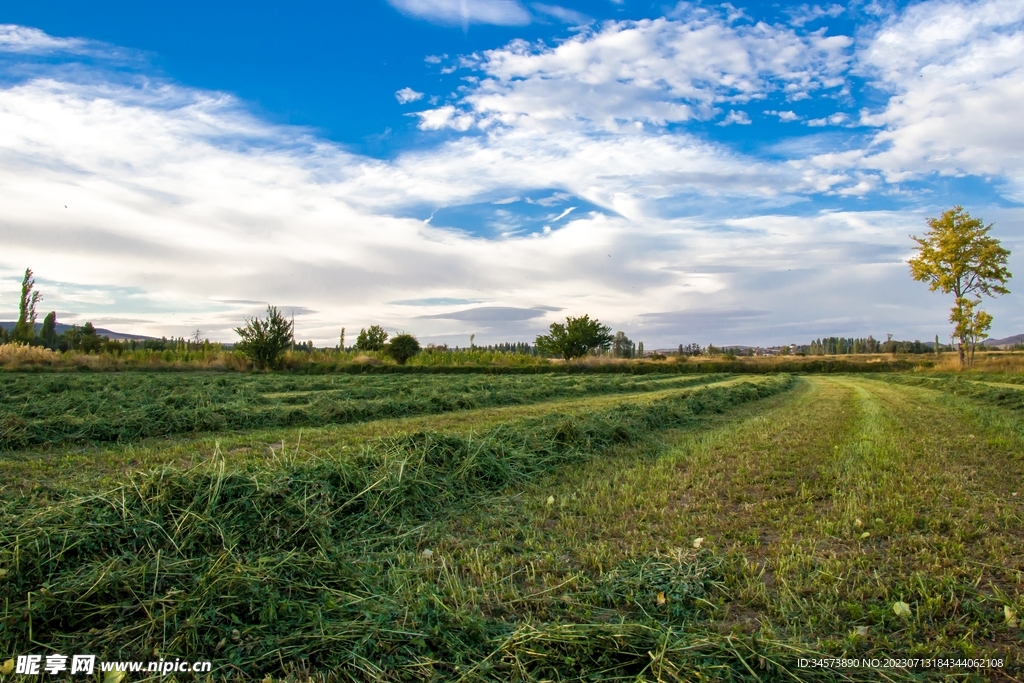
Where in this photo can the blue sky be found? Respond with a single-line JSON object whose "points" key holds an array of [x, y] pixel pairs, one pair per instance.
{"points": [[685, 172]]}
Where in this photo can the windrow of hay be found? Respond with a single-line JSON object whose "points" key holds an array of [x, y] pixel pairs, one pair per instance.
{"points": [[49, 409], [314, 565], [980, 387]]}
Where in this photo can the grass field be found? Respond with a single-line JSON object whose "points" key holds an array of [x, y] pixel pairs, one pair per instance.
{"points": [[675, 528], [59, 408]]}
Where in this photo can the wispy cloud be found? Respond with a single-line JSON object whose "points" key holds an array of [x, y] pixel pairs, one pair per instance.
{"points": [[563, 14], [465, 12], [27, 40]]}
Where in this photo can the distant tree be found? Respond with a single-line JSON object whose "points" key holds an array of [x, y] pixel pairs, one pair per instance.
{"points": [[48, 332], [403, 347], [640, 350], [958, 256], [575, 338], [372, 339], [341, 340], [622, 347], [25, 328], [264, 340], [89, 340]]}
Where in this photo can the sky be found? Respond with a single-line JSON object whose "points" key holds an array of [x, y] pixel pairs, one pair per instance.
{"points": [[686, 173]]}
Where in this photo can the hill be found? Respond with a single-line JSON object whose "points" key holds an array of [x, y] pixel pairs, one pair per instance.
{"points": [[61, 328], [1006, 341]]}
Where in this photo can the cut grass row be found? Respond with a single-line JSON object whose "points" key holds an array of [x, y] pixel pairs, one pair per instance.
{"points": [[818, 509], [822, 511], [309, 562], [61, 409]]}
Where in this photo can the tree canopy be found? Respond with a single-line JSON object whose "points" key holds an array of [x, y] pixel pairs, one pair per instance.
{"points": [[574, 338], [264, 340], [958, 256], [372, 339], [25, 328]]}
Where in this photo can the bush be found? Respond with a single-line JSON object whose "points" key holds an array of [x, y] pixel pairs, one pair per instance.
{"points": [[403, 347], [263, 341]]}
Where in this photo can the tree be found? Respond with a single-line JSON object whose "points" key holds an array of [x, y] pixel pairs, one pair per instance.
{"points": [[970, 325], [48, 332], [25, 328], [341, 340], [372, 339], [575, 338], [622, 347], [264, 340], [958, 256], [89, 340], [403, 347]]}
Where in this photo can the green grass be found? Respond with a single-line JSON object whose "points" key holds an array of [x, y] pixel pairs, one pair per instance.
{"points": [[555, 540], [55, 409]]}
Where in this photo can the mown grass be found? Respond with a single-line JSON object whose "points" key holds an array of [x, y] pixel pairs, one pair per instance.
{"points": [[55, 409], [823, 511], [717, 533], [306, 562]]}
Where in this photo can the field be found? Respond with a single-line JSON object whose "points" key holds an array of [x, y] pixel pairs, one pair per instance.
{"points": [[525, 527]]}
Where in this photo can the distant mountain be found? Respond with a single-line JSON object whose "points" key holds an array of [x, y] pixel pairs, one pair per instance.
{"points": [[1006, 341], [61, 328]]}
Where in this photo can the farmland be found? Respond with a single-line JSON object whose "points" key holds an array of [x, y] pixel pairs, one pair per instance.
{"points": [[548, 527]]}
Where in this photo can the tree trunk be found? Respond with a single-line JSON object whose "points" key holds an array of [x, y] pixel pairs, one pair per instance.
{"points": [[960, 348]]}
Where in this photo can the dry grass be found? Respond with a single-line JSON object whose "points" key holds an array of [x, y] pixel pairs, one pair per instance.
{"points": [[15, 356]]}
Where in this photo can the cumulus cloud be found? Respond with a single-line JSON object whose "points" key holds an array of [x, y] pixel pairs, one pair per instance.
{"points": [[465, 12], [956, 74], [654, 71], [739, 117], [407, 95]]}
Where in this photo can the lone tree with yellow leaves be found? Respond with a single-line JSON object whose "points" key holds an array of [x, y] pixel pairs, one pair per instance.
{"points": [[959, 257]]}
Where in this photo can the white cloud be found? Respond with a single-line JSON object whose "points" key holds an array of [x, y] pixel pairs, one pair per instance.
{"points": [[407, 95], [832, 120], [956, 74], [444, 117], [734, 116], [27, 40], [465, 12], [651, 71], [784, 116], [180, 202], [564, 14], [804, 14]]}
